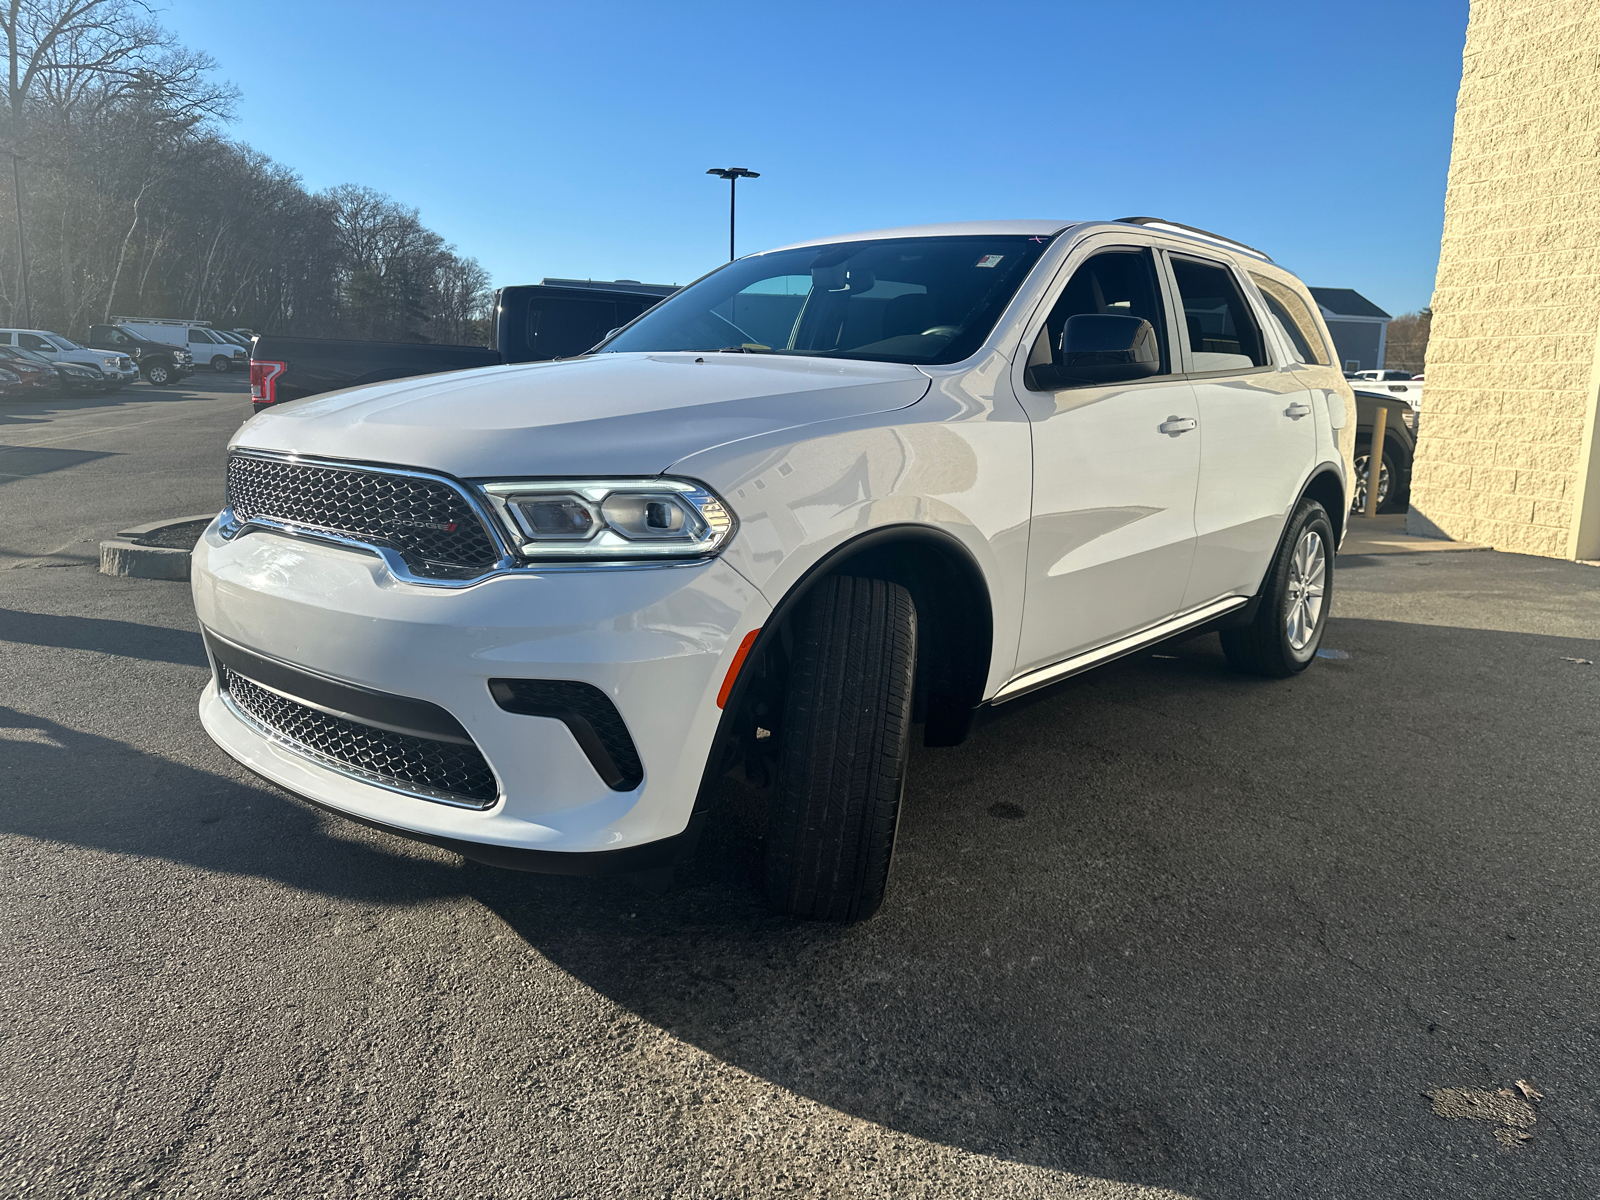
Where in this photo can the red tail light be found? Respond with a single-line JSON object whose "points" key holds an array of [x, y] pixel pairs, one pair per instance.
{"points": [[264, 381]]}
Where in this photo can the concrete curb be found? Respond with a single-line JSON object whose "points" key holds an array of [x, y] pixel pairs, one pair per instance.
{"points": [[127, 555]]}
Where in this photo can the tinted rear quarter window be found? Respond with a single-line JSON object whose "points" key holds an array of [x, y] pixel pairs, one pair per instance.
{"points": [[1298, 323]]}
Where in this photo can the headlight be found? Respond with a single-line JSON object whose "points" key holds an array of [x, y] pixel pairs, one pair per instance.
{"points": [[612, 518]]}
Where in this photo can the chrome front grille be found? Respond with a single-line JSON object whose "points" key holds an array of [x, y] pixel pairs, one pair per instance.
{"points": [[428, 522], [453, 772]]}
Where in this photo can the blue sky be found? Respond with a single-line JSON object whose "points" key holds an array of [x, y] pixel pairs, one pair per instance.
{"points": [[572, 139]]}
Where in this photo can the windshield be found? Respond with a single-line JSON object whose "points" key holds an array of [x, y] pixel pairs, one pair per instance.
{"points": [[28, 355], [907, 300], [62, 343]]}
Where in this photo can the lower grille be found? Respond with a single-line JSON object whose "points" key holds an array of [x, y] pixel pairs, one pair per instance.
{"points": [[435, 770]]}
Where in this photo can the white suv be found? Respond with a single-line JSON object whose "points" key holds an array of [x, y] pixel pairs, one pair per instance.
{"points": [[821, 496]]}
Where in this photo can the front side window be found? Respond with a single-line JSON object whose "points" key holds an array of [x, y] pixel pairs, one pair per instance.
{"points": [[1223, 335], [1118, 283], [909, 300], [32, 341], [1291, 313]]}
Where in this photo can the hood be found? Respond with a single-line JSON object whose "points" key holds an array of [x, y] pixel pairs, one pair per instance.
{"points": [[613, 414]]}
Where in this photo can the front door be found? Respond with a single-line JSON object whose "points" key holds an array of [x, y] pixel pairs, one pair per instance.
{"points": [[1114, 471], [1258, 433]]}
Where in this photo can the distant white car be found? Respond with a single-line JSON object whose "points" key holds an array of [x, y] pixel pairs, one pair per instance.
{"points": [[118, 369], [822, 495], [208, 346]]}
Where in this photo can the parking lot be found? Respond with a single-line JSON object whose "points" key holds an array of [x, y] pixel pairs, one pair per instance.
{"points": [[1164, 931]]}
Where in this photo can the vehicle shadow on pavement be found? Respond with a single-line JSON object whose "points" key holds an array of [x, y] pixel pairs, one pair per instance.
{"points": [[129, 639], [34, 411], [1178, 927], [64, 785]]}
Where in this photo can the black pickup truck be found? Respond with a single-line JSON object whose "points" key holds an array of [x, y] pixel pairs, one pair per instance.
{"points": [[1399, 445], [557, 318]]}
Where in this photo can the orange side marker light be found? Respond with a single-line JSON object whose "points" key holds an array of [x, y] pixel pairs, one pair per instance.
{"points": [[733, 667]]}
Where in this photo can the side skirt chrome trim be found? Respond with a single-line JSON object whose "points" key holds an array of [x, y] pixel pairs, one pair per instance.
{"points": [[1078, 663]]}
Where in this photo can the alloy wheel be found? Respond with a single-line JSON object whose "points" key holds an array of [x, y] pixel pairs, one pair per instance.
{"points": [[1358, 500], [1308, 574]]}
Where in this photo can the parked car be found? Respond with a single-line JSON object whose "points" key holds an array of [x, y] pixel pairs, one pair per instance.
{"points": [[206, 345], [71, 378], [1399, 448], [115, 369], [532, 323], [824, 495], [11, 386], [36, 376], [160, 363]]}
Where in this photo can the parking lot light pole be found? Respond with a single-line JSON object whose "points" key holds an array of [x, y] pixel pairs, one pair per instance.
{"points": [[732, 175]]}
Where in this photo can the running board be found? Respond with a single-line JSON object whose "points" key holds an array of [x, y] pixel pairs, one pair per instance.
{"points": [[1079, 663]]}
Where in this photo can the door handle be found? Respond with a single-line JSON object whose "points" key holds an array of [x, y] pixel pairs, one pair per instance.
{"points": [[1297, 410], [1173, 426]]}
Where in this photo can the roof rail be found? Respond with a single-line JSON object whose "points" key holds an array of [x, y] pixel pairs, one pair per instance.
{"points": [[1204, 233]]}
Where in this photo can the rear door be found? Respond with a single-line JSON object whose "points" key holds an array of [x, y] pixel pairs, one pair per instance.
{"points": [[1114, 470], [1258, 440]]}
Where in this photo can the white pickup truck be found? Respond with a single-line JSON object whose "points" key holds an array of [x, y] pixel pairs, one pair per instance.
{"points": [[824, 496], [1397, 383]]}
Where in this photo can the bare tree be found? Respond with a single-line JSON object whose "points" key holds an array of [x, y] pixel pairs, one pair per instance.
{"points": [[1406, 345], [74, 52]]}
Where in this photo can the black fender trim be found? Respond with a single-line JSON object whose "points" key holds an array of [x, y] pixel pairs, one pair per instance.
{"points": [[1241, 617], [883, 536]]}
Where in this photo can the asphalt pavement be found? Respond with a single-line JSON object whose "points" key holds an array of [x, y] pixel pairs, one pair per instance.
{"points": [[1161, 932]]}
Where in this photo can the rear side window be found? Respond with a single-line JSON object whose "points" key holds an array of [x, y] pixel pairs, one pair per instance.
{"points": [[1298, 324], [1223, 335], [561, 328]]}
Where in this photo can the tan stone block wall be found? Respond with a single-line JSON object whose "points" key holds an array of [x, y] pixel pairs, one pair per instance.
{"points": [[1514, 358]]}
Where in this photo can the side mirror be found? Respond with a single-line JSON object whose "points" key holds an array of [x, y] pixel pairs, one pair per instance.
{"points": [[1101, 348]]}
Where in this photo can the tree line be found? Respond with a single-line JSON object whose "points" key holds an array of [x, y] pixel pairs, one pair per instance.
{"points": [[1406, 344], [134, 201]]}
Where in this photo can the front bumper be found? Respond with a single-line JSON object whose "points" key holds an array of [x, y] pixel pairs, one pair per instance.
{"points": [[655, 640]]}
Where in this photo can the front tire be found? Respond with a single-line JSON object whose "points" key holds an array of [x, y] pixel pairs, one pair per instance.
{"points": [[1283, 637], [221, 365], [158, 374], [847, 718]]}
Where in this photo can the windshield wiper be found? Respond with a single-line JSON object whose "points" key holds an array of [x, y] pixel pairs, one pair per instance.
{"points": [[745, 350]]}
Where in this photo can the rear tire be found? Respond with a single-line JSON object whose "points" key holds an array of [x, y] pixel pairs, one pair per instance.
{"points": [[1283, 637], [847, 717]]}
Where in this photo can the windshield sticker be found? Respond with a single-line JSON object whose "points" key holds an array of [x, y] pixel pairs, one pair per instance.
{"points": [[990, 260]]}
